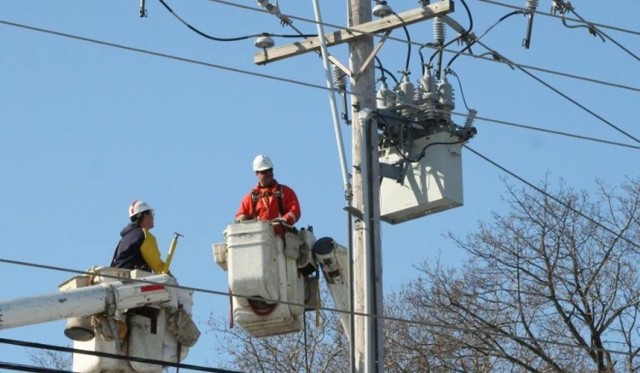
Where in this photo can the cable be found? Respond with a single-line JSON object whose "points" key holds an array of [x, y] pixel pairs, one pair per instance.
{"points": [[164, 55], [387, 318], [555, 16], [468, 46], [29, 368], [590, 26], [202, 33], [383, 71], [222, 39], [203, 63], [112, 356], [406, 32], [592, 220], [286, 80], [620, 130], [498, 121], [450, 71]]}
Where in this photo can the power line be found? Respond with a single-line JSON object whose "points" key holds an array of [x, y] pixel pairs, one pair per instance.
{"points": [[112, 356], [297, 82], [539, 190], [556, 16], [528, 127], [159, 54], [498, 55], [214, 38], [29, 368], [222, 67], [286, 80], [382, 317]]}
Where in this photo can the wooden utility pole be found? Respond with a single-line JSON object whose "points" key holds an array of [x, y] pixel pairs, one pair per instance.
{"points": [[368, 343]]}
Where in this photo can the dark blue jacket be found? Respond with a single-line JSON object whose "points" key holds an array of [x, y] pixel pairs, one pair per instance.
{"points": [[127, 253]]}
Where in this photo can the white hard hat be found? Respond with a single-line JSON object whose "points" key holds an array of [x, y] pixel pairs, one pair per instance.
{"points": [[261, 163], [138, 207]]}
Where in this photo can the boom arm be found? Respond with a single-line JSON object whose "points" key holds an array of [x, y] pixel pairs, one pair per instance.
{"points": [[90, 300]]}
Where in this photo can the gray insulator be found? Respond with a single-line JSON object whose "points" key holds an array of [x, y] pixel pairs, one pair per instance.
{"points": [[407, 90], [384, 97], [382, 9], [439, 33], [264, 42], [471, 116], [427, 85], [532, 5], [339, 78], [445, 90]]}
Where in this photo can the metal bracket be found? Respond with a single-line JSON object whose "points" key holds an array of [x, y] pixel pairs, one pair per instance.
{"points": [[373, 53], [392, 171], [354, 211]]}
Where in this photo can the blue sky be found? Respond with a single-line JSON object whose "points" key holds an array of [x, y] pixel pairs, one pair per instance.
{"points": [[85, 129]]}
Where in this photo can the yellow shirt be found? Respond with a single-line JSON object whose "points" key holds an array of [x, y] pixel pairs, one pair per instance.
{"points": [[150, 252]]}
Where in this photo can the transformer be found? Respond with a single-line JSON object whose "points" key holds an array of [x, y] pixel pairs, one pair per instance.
{"points": [[429, 185]]}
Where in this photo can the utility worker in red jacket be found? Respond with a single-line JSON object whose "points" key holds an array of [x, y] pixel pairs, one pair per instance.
{"points": [[269, 200]]}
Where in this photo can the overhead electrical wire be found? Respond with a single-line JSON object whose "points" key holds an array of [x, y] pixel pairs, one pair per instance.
{"points": [[473, 41], [539, 190], [556, 16], [198, 368], [422, 45], [532, 128], [139, 50], [164, 55], [29, 368], [296, 82], [222, 67], [565, 96], [386, 318], [567, 7], [214, 38], [406, 32], [208, 369]]}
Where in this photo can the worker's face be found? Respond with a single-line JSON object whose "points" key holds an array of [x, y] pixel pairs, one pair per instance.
{"points": [[265, 177], [148, 219]]}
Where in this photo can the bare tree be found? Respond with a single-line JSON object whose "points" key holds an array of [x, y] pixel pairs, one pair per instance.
{"points": [[552, 286], [50, 359]]}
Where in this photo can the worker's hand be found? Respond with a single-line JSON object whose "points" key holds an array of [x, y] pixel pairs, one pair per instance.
{"points": [[280, 221], [240, 218]]}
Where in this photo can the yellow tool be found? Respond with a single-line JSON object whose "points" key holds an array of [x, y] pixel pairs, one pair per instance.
{"points": [[172, 249]]}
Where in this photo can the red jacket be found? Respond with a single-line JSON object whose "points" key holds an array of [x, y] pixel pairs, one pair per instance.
{"points": [[263, 203]]}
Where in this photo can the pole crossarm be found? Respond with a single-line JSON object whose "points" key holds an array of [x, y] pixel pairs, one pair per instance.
{"points": [[344, 36]]}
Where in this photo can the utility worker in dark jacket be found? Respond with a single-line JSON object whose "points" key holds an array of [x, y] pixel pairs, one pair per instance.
{"points": [[269, 200], [138, 248]]}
